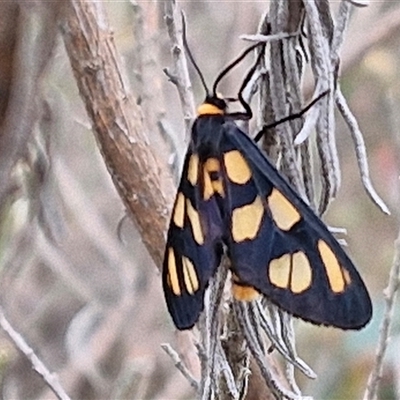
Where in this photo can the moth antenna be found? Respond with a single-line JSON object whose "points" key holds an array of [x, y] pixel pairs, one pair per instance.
{"points": [[232, 65], [247, 80], [191, 58], [290, 117]]}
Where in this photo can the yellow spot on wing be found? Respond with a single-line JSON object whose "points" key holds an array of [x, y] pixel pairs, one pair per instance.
{"points": [[301, 278], [190, 276], [346, 276], [333, 269], [194, 219], [236, 167], [283, 212], [211, 165], [208, 189], [173, 273], [193, 169], [279, 271], [218, 187], [246, 220], [212, 186], [179, 210], [209, 109]]}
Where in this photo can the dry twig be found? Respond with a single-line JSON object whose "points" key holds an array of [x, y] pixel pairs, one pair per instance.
{"points": [[37, 364], [390, 297], [361, 153], [180, 75], [117, 122]]}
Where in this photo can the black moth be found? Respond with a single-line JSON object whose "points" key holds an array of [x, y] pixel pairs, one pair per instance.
{"points": [[230, 196]]}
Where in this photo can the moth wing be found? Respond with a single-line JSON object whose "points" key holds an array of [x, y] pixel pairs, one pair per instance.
{"points": [[194, 246], [281, 248]]}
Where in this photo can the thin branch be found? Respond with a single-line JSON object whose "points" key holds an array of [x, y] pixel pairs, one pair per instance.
{"points": [[278, 78], [118, 124], [210, 328], [139, 46], [50, 378], [361, 153], [180, 366], [323, 71], [180, 75], [342, 21], [273, 382], [390, 296], [278, 344], [359, 3], [258, 37]]}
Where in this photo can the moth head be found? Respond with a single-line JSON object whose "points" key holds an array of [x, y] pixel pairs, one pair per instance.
{"points": [[212, 105]]}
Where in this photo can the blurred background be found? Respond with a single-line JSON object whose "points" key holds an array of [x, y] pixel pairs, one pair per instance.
{"points": [[76, 280]]}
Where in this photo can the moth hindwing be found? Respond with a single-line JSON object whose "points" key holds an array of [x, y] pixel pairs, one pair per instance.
{"points": [[231, 195]]}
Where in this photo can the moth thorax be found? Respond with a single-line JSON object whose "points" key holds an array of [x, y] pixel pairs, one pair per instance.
{"points": [[209, 109]]}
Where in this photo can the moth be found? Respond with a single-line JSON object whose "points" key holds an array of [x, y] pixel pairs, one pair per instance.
{"points": [[231, 198]]}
